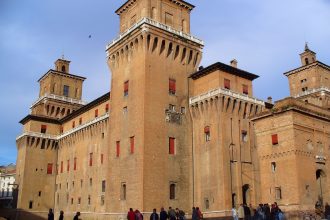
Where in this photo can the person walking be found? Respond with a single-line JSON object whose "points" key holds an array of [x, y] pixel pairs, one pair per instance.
{"points": [[163, 214], [171, 214], [76, 217], [61, 215], [194, 215], [199, 213], [138, 215], [50, 214], [247, 212], [241, 212], [154, 215], [234, 213], [327, 211], [130, 214]]}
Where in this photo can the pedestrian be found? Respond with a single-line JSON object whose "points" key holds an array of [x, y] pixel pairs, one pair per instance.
{"points": [[267, 211], [50, 214], [138, 215], [76, 217], [171, 213], [327, 211], [241, 212], [163, 214], [182, 215], [130, 214], [194, 215], [177, 213], [154, 215], [61, 215], [247, 212], [199, 213], [234, 213]]}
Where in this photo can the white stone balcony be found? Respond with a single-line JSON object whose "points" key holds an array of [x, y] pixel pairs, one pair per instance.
{"points": [[323, 90], [221, 91], [37, 135], [155, 24], [60, 98]]}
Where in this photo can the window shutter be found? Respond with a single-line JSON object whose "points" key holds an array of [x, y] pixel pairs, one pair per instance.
{"points": [[171, 145], [274, 139], [43, 128], [132, 144], [75, 163], [73, 124], [107, 107], [80, 121], [126, 84], [172, 86], [227, 83], [61, 166], [207, 129], [91, 159], [68, 166], [96, 113], [50, 168], [245, 89], [117, 148]]}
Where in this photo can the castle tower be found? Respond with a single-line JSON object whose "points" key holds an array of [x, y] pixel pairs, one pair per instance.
{"points": [[150, 134], [310, 82], [60, 94]]}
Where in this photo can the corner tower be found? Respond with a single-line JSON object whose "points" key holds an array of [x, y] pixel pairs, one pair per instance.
{"points": [[150, 132]]}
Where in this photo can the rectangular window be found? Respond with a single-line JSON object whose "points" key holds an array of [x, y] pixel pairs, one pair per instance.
{"points": [[50, 168], [103, 185], [43, 129], [172, 191], [274, 139], [80, 121], [68, 166], [244, 136], [61, 129], [30, 204], [90, 181], [96, 113], [171, 146], [132, 144], [117, 148], [168, 19], [123, 191], [126, 84], [75, 163], [66, 90], [207, 133], [125, 110], [227, 84], [107, 108], [172, 86], [101, 158], [278, 193], [73, 124], [245, 89], [91, 159], [79, 200], [61, 166]]}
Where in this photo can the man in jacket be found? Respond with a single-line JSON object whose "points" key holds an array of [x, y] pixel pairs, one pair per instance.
{"points": [[154, 215]]}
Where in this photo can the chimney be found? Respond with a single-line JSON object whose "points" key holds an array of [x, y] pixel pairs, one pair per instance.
{"points": [[233, 63], [270, 100]]}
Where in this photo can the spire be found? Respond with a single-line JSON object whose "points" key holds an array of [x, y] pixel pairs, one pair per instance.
{"points": [[306, 46], [308, 56]]}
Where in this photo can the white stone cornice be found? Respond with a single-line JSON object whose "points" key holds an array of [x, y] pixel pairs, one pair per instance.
{"points": [[322, 90], [221, 91], [153, 23], [60, 98], [67, 133]]}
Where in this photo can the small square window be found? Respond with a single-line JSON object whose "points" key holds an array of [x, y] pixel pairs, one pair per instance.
{"points": [[171, 107], [244, 136], [278, 193], [125, 110]]}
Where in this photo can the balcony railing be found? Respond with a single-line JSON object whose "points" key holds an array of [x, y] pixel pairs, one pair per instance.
{"points": [[60, 98], [38, 135], [155, 24], [311, 91], [221, 91]]}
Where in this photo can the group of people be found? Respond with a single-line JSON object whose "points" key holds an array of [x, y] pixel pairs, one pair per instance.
{"points": [[171, 214], [262, 212], [61, 217]]}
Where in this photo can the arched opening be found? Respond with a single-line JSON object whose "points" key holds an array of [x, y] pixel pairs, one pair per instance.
{"points": [[63, 69], [246, 193], [177, 50], [183, 54], [170, 48], [306, 61], [190, 56], [52, 111], [155, 44], [162, 48], [148, 41], [321, 184]]}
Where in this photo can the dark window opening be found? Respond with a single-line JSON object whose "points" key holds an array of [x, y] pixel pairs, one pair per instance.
{"points": [[172, 191]]}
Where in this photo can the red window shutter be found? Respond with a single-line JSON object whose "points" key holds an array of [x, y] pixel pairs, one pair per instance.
{"points": [[50, 168], [75, 163], [61, 166], [172, 86], [117, 148], [107, 107], [245, 89], [62, 129], [91, 159], [274, 139], [68, 166], [96, 113], [171, 149], [101, 158], [207, 129], [80, 121], [43, 128], [73, 124], [126, 84], [227, 83], [132, 144]]}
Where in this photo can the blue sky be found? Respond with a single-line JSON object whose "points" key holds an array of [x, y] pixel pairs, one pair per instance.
{"points": [[265, 37]]}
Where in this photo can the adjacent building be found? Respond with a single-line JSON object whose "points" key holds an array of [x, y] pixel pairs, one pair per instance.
{"points": [[172, 133], [7, 185]]}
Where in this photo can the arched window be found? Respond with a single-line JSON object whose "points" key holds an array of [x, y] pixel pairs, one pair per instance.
{"points": [[306, 61], [172, 191], [123, 191], [63, 68]]}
